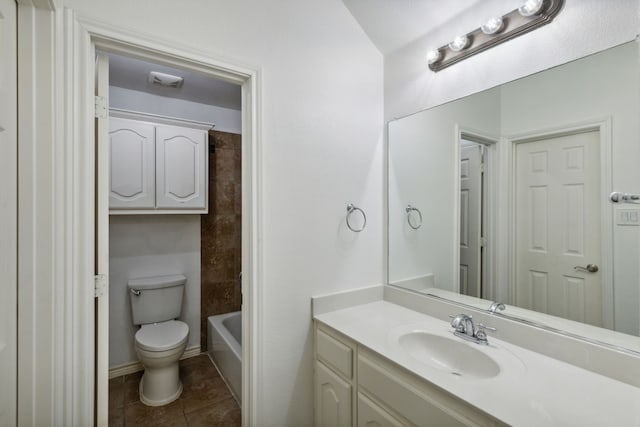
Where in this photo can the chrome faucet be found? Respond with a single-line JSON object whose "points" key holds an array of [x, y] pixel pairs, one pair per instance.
{"points": [[496, 306], [464, 328], [463, 324]]}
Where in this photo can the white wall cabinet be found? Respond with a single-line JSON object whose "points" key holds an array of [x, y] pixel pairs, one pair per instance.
{"points": [[132, 171], [180, 168], [157, 168], [380, 393]]}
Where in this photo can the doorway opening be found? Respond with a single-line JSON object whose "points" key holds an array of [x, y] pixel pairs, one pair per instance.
{"points": [[476, 201], [175, 205], [241, 198]]}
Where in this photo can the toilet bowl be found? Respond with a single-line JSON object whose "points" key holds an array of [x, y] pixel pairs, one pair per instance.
{"points": [[159, 347], [156, 303]]}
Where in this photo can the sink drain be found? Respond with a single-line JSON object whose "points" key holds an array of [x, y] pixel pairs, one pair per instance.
{"points": [[458, 374]]}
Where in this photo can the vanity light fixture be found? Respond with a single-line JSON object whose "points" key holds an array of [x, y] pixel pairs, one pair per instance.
{"points": [[530, 15], [433, 56], [493, 26], [459, 43], [531, 7]]}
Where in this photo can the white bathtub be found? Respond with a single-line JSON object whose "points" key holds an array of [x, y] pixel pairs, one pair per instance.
{"points": [[225, 347]]}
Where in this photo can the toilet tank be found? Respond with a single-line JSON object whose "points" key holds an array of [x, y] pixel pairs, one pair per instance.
{"points": [[156, 299]]}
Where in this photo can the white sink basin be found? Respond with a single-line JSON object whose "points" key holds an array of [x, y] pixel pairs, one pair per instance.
{"points": [[449, 354]]}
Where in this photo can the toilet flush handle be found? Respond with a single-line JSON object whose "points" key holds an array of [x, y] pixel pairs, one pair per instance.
{"points": [[135, 292]]}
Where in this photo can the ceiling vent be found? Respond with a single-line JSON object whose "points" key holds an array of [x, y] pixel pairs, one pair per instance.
{"points": [[165, 80]]}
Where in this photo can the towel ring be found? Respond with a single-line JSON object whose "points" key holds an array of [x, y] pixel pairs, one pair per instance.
{"points": [[410, 209], [351, 208]]}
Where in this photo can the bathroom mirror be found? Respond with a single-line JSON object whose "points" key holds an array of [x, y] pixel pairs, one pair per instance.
{"points": [[504, 195]]}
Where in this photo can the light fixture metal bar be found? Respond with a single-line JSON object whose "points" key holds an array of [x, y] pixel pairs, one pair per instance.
{"points": [[514, 25]]}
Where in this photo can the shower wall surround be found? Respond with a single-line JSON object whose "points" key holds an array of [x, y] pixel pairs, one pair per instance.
{"points": [[221, 231]]}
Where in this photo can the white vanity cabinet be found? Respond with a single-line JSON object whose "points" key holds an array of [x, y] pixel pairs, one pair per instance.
{"points": [[334, 379], [411, 398], [371, 414], [157, 168], [382, 393]]}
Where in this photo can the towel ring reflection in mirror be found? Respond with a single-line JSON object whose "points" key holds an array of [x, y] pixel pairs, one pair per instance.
{"points": [[415, 225], [351, 208]]}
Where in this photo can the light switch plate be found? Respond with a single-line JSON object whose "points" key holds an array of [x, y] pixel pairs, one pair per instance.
{"points": [[628, 217]]}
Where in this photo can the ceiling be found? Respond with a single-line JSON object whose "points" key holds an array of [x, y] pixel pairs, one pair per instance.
{"points": [[130, 73], [392, 24]]}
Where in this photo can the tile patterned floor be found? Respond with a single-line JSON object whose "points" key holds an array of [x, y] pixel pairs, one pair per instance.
{"points": [[205, 400]]}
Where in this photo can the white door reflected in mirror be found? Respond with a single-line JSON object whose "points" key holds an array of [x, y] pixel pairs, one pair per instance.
{"points": [[557, 226], [471, 217]]}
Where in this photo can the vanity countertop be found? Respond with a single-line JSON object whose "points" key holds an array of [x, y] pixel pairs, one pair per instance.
{"points": [[537, 391]]}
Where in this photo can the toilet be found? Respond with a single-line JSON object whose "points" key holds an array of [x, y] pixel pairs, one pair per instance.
{"points": [[156, 303]]}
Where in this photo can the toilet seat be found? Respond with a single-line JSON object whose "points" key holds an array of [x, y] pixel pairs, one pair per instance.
{"points": [[162, 336]]}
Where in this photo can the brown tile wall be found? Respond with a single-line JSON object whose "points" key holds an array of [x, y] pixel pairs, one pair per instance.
{"points": [[221, 231]]}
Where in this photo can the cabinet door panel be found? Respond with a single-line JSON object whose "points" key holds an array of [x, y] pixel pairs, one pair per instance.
{"points": [[181, 161], [333, 399], [372, 415], [132, 169]]}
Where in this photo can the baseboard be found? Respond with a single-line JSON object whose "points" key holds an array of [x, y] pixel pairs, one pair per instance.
{"points": [[191, 352], [133, 367]]}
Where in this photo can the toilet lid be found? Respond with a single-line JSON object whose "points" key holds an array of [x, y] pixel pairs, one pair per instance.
{"points": [[162, 336]]}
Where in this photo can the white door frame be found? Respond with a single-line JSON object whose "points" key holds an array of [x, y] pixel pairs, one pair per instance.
{"points": [[44, 276], [56, 233], [8, 214], [603, 127], [102, 149]]}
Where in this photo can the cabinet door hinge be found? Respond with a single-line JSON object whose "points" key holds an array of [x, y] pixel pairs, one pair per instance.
{"points": [[483, 242], [101, 107], [99, 285]]}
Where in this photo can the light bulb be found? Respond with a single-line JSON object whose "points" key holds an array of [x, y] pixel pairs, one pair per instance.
{"points": [[459, 43], [531, 7], [492, 26], [433, 56]]}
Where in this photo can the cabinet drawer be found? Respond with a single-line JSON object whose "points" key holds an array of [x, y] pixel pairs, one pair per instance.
{"points": [[421, 403], [370, 414], [334, 353]]}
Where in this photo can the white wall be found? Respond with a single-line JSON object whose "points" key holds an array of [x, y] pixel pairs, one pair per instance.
{"points": [[224, 119], [582, 27], [321, 121], [150, 245]]}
